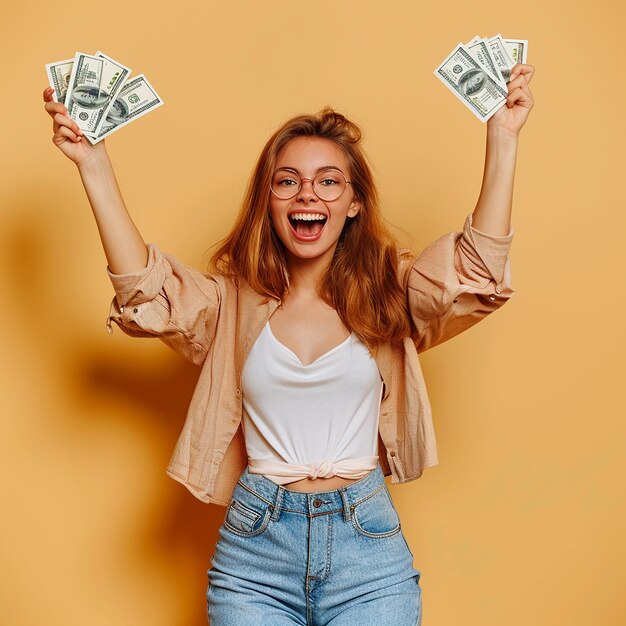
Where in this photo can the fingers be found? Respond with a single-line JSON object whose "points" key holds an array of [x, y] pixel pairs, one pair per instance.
{"points": [[61, 120], [520, 83], [64, 131], [55, 107], [523, 69], [519, 96], [58, 112], [50, 105]]}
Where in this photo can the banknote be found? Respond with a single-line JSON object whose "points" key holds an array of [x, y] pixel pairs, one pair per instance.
{"points": [[93, 86], [517, 49], [59, 74], [481, 82], [503, 61], [479, 49], [104, 98], [471, 83], [137, 98]]}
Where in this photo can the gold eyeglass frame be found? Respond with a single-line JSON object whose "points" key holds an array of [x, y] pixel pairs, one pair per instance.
{"points": [[334, 169]]}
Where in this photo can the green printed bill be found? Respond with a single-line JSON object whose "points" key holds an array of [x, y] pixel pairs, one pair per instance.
{"points": [[478, 72], [99, 94], [137, 98]]}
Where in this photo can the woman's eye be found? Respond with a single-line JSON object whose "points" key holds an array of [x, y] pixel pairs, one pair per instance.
{"points": [[328, 182], [287, 182]]}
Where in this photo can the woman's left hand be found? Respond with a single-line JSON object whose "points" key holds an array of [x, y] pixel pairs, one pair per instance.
{"points": [[513, 114]]}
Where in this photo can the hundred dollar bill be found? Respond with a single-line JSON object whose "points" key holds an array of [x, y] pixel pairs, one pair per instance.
{"points": [[137, 98], [59, 74], [479, 50], [94, 84], [471, 83], [501, 57], [517, 49]]}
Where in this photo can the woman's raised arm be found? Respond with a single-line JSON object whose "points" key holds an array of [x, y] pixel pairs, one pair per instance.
{"points": [[124, 247], [492, 214]]}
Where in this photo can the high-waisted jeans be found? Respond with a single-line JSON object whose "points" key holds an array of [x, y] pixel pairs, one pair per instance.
{"points": [[336, 558]]}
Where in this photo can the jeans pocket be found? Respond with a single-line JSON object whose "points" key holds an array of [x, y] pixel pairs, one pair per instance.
{"points": [[375, 516], [247, 514]]}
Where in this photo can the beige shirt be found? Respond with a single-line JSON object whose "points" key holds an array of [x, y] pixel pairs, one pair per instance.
{"points": [[454, 283]]}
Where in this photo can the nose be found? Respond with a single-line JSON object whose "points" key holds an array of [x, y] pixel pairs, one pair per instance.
{"points": [[306, 191]]}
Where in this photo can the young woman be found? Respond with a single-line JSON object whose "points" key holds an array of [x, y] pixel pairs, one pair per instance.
{"points": [[308, 328]]}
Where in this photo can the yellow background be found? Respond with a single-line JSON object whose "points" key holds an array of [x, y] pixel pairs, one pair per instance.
{"points": [[522, 522]]}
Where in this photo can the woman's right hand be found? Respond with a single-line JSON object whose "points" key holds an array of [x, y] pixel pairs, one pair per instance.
{"points": [[67, 136]]}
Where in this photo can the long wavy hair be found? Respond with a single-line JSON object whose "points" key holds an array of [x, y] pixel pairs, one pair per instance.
{"points": [[361, 282]]}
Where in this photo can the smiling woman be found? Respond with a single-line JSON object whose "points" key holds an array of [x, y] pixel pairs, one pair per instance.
{"points": [[307, 327], [314, 205], [323, 238], [327, 186]]}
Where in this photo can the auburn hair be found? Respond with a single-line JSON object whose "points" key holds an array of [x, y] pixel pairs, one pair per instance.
{"points": [[361, 282]]}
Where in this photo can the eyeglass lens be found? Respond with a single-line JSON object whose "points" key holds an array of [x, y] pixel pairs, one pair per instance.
{"points": [[328, 184]]}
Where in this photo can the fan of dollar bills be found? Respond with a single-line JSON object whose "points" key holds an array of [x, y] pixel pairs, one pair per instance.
{"points": [[478, 72], [98, 94]]}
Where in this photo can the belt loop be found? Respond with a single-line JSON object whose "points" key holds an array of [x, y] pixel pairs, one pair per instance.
{"points": [[278, 503], [346, 504]]}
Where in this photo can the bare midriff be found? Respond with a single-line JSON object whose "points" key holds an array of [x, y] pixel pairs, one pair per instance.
{"points": [[319, 484]]}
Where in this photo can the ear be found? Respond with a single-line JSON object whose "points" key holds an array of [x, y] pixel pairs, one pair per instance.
{"points": [[355, 207]]}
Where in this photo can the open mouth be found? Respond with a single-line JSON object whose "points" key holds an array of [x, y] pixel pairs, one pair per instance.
{"points": [[307, 226]]}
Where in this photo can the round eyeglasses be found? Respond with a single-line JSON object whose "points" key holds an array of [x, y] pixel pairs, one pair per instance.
{"points": [[327, 185]]}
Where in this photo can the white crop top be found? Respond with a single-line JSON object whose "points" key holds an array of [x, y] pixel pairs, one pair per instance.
{"points": [[316, 420]]}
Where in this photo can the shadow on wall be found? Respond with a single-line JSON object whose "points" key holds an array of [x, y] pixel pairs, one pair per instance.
{"points": [[182, 530], [46, 293]]}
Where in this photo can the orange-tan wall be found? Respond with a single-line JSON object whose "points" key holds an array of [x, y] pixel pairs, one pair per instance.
{"points": [[522, 522]]}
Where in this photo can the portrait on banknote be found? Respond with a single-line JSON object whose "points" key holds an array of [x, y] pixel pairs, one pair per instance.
{"points": [[118, 112], [88, 97], [472, 81]]}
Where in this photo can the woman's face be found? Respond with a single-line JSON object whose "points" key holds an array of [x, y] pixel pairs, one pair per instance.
{"points": [[308, 155]]}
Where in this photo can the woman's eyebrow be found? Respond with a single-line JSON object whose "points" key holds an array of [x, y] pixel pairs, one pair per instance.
{"points": [[319, 169]]}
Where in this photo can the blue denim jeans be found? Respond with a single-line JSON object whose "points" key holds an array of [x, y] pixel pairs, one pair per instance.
{"points": [[335, 558]]}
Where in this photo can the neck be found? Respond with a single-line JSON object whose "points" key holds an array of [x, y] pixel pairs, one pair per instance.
{"points": [[305, 274]]}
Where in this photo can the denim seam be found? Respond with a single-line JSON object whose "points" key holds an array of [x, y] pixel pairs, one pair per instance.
{"points": [[247, 512], [309, 603], [261, 529], [277, 507], [328, 548], [384, 535], [253, 492], [369, 495]]}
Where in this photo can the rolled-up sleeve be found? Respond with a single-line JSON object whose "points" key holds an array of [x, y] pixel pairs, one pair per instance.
{"points": [[456, 281], [169, 300]]}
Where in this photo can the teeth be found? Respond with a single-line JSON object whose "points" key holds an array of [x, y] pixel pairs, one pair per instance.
{"points": [[307, 216]]}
